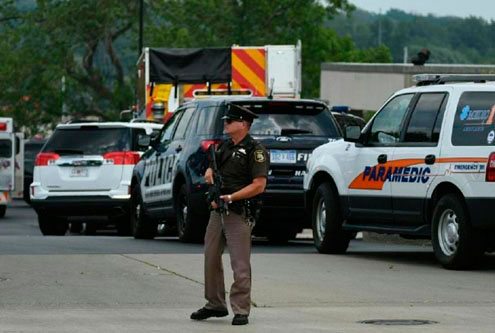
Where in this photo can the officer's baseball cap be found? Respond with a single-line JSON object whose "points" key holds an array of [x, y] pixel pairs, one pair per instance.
{"points": [[237, 112]]}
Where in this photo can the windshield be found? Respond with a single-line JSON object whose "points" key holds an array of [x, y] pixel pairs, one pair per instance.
{"points": [[292, 119], [90, 140]]}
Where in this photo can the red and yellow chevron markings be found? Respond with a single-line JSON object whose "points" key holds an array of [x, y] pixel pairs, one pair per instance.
{"points": [[249, 70]]}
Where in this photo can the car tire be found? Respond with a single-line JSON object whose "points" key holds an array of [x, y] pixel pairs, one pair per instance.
{"points": [[52, 226], [190, 227], [75, 227], [328, 235], [3, 210], [141, 226], [455, 243]]}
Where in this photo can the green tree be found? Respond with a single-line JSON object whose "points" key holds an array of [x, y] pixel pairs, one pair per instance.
{"points": [[56, 39], [90, 45], [196, 23]]}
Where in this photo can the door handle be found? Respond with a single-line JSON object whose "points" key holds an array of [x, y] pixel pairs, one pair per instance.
{"points": [[178, 149], [382, 158], [430, 159]]}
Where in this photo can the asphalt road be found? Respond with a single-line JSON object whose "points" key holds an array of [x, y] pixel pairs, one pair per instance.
{"points": [[106, 283]]}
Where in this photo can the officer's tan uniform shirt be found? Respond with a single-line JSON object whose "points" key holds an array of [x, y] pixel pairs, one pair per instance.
{"points": [[240, 164]]}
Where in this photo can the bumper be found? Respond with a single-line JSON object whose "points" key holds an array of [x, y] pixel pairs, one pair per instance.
{"points": [[481, 212], [81, 206], [285, 199], [284, 206]]}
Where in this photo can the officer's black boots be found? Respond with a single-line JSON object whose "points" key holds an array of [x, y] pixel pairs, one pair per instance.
{"points": [[205, 313], [240, 319]]}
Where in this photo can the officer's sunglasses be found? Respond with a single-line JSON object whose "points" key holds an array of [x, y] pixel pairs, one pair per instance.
{"points": [[230, 121]]}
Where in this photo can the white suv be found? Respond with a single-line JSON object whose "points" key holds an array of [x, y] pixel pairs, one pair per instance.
{"points": [[85, 169], [423, 167]]}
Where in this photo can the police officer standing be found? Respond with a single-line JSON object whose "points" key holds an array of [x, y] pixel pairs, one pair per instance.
{"points": [[243, 164]]}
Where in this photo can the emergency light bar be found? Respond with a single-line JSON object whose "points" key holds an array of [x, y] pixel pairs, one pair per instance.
{"points": [[222, 92], [429, 79], [6, 125]]}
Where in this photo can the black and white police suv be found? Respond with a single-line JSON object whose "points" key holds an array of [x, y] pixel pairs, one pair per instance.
{"points": [[423, 167], [168, 182], [85, 169]]}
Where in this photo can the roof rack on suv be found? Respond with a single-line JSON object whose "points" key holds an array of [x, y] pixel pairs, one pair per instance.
{"points": [[429, 79], [137, 120], [77, 121]]}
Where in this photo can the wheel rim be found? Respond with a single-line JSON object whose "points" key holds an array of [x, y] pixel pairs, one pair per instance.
{"points": [[448, 232], [321, 219]]}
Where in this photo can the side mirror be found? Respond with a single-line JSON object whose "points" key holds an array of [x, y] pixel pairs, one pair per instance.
{"points": [[144, 140], [352, 133]]}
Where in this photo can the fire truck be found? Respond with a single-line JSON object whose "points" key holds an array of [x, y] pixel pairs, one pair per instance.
{"points": [[7, 162], [166, 77]]}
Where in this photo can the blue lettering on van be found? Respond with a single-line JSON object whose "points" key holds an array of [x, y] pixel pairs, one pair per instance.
{"points": [[396, 174]]}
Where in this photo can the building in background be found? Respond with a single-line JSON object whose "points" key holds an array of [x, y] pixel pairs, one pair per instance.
{"points": [[365, 86]]}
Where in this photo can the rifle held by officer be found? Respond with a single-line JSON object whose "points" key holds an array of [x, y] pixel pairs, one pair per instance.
{"points": [[214, 191]]}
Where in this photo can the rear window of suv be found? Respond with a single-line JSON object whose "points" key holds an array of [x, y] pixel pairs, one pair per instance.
{"points": [[284, 118], [474, 123], [89, 140]]}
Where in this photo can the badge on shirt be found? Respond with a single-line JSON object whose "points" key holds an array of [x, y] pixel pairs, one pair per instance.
{"points": [[259, 156]]}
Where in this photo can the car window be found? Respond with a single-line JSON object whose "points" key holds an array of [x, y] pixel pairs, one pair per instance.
{"points": [[31, 149], [168, 129], [386, 125], [5, 148], [180, 132], [424, 117], [439, 120], [293, 119], [207, 120], [345, 120], [474, 123], [136, 133], [88, 140]]}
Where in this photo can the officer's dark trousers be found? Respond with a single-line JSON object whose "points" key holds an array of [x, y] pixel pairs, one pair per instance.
{"points": [[237, 235]]}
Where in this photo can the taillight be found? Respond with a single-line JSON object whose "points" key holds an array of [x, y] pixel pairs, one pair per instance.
{"points": [[46, 159], [205, 144], [490, 168], [122, 157]]}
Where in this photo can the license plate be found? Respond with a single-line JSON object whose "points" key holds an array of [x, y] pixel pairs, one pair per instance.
{"points": [[79, 172], [283, 156]]}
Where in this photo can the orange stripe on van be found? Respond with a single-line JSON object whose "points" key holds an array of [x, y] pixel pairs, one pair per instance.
{"points": [[361, 183]]}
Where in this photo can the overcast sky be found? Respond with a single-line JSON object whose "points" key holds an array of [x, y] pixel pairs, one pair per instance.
{"points": [[462, 8]]}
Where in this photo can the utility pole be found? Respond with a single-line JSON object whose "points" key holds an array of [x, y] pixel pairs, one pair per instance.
{"points": [[141, 19], [380, 28]]}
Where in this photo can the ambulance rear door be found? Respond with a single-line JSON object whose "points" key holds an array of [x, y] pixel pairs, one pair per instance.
{"points": [[7, 155]]}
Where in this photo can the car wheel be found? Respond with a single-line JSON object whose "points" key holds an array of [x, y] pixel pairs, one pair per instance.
{"points": [[75, 227], [3, 210], [190, 227], [455, 243], [52, 226], [142, 227], [328, 235]]}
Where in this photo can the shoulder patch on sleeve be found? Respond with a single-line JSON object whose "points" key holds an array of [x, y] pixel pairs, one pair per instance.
{"points": [[259, 156]]}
